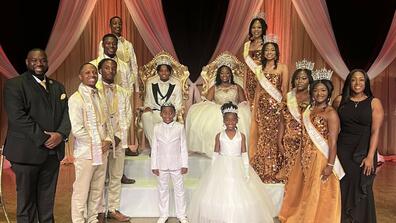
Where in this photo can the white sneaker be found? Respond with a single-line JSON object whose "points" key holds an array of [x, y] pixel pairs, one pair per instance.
{"points": [[183, 220], [162, 220]]}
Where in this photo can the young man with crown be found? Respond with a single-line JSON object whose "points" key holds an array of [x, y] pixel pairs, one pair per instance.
{"points": [[160, 89]]}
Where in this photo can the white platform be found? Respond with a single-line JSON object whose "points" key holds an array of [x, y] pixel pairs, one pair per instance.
{"points": [[141, 199]]}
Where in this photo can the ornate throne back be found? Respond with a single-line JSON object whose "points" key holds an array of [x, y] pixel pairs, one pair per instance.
{"points": [[208, 72], [180, 73]]}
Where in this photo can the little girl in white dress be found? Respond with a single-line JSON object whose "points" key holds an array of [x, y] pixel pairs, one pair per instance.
{"points": [[230, 191]]}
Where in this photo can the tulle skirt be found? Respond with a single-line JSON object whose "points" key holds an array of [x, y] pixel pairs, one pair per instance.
{"points": [[204, 120], [225, 195]]}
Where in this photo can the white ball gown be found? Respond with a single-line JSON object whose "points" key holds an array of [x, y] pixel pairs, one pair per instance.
{"points": [[204, 120], [225, 195]]}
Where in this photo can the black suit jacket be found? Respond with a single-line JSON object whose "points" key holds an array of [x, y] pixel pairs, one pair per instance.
{"points": [[32, 110]]}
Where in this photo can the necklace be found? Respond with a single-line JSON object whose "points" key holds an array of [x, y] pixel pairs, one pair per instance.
{"points": [[357, 102]]}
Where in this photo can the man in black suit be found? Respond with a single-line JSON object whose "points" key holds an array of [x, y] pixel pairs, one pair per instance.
{"points": [[38, 125]]}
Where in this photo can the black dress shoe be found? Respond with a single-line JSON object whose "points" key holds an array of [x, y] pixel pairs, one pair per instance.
{"points": [[126, 180], [128, 152]]}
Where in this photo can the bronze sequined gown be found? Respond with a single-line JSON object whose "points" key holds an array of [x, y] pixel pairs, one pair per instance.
{"points": [[292, 138], [307, 199], [263, 147]]}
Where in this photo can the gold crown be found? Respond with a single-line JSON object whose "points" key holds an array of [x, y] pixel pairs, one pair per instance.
{"points": [[163, 60], [322, 74], [272, 38], [305, 64], [225, 59], [260, 15]]}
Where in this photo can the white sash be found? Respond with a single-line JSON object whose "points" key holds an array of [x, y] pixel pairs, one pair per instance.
{"points": [[248, 60], [93, 118], [292, 105], [321, 143], [267, 85]]}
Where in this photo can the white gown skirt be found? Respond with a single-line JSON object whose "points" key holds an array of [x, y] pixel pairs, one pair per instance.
{"points": [[224, 195], [204, 120]]}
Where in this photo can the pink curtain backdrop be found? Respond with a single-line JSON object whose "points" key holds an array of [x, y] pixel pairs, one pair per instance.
{"points": [[149, 19], [315, 17], [387, 53], [69, 24], [235, 28], [6, 68], [279, 22]]}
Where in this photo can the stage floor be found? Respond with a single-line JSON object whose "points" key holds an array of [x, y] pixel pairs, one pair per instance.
{"points": [[384, 189]]}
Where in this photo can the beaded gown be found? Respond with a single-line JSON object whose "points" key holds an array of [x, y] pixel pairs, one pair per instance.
{"points": [[352, 147], [291, 111], [251, 80], [204, 120], [307, 199], [225, 195], [263, 146]]}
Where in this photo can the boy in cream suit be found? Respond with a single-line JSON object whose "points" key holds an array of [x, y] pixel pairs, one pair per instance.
{"points": [[169, 157]]}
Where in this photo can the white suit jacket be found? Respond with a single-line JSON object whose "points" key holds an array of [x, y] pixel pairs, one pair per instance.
{"points": [[169, 149], [175, 98]]}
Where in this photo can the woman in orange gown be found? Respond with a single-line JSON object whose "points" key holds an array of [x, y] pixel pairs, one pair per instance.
{"points": [[312, 193]]}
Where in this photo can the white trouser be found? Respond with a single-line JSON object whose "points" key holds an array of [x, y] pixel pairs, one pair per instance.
{"points": [[163, 190], [87, 190], [149, 119], [115, 172]]}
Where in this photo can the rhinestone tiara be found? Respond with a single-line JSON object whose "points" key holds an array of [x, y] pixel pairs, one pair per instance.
{"points": [[272, 38], [305, 64], [260, 15], [322, 74], [230, 110]]}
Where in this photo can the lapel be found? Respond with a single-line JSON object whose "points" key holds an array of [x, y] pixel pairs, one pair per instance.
{"points": [[52, 94], [37, 89]]}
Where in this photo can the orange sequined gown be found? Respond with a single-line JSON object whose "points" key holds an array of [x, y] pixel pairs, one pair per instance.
{"points": [[251, 80], [306, 198], [292, 138], [263, 147]]}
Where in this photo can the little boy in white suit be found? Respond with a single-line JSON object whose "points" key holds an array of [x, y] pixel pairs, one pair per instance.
{"points": [[169, 158]]}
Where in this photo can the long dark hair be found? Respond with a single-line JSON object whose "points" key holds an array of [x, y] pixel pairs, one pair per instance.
{"points": [[327, 83], [346, 90], [218, 79], [277, 54], [309, 75], [263, 27]]}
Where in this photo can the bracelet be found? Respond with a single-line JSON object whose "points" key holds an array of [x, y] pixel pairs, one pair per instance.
{"points": [[329, 164]]}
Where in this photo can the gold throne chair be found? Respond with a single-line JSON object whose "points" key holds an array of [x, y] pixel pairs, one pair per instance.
{"points": [[208, 72], [179, 73]]}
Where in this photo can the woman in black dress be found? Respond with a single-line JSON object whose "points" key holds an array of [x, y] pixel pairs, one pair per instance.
{"points": [[361, 116]]}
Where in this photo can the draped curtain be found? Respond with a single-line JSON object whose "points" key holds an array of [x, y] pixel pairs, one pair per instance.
{"points": [[300, 37], [6, 68]]}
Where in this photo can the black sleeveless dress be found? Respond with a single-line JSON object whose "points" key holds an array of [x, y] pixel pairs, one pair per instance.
{"points": [[352, 147]]}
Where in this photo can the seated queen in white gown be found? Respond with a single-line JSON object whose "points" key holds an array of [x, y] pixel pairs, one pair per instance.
{"points": [[204, 120]]}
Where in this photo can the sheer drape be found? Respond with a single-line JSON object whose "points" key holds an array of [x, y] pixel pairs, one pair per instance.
{"points": [[69, 24], [387, 54], [149, 19], [6, 68]]}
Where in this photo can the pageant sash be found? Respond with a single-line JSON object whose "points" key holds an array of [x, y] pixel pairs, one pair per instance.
{"points": [[267, 85], [292, 105], [92, 118], [321, 143], [248, 60]]}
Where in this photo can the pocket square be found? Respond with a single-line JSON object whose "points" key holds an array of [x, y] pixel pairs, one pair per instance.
{"points": [[63, 96]]}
